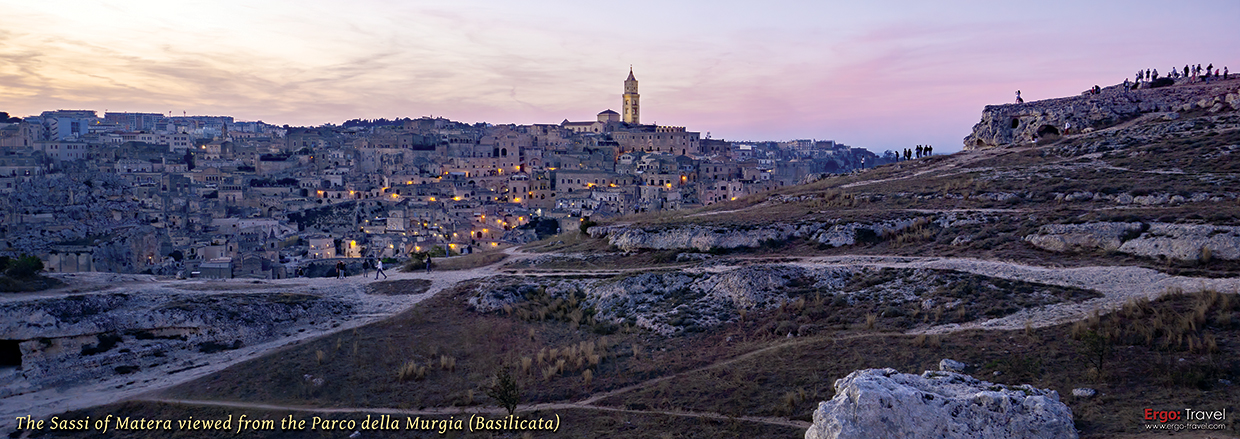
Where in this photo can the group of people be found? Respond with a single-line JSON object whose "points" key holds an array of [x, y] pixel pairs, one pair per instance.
{"points": [[342, 270], [1192, 73], [918, 152]]}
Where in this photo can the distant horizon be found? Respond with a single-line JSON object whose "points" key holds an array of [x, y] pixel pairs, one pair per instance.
{"points": [[878, 76]]}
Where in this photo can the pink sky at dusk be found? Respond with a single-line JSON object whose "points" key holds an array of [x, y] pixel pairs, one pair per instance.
{"points": [[883, 75]]}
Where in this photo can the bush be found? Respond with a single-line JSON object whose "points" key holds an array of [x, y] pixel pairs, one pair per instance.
{"points": [[862, 235], [586, 225], [25, 267]]}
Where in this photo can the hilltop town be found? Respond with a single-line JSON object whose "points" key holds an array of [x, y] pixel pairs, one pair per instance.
{"points": [[210, 196]]}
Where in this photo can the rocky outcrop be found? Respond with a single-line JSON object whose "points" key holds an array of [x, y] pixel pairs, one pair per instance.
{"points": [[703, 238], [79, 338], [1187, 242], [1011, 124], [696, 237], [1083, 237], [883, 403], [670, 302]]}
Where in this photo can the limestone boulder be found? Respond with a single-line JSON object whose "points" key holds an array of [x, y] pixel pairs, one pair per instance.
{"points": [[1189, 242], [1083, 237], [950, 365], [883, 403]]}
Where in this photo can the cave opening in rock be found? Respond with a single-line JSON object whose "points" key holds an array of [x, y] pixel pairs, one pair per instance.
{"points": [[1047, 130], [10, 353], [1015, 123]]}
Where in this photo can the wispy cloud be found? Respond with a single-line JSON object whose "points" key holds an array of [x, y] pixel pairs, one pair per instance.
{"points": [[878, 75]]}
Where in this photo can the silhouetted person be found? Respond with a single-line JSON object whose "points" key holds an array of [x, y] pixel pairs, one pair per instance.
{"points": [[428, 263], [929, 149], [339, 269], [1018, 98], [1225, 72], [1186, 70]]}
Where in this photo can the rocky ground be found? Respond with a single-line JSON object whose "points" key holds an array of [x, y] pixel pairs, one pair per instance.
{"points": [[105, 337]]}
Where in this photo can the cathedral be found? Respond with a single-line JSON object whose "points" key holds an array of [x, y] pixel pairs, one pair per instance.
{"points": [[627, 131]]}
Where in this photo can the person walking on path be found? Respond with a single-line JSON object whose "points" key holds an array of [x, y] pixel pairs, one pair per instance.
{"points": [[428, 264], [379, 269]]}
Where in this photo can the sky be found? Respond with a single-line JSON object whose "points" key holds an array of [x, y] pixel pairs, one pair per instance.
{"points": [[877, 74]]}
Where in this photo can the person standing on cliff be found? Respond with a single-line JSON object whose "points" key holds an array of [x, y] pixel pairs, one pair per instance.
{"points": [[1224, 72], [1067, 127], [1018, 98]]}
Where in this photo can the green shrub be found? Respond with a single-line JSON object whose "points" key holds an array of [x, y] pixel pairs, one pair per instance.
{"points": [[25, 267], [586, 225]]}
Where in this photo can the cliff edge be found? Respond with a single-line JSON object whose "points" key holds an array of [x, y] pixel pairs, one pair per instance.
{"points": [[1014, 124]]}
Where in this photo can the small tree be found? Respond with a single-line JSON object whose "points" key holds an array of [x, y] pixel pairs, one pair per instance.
{"points": [[1096, 346], [505, 391]]}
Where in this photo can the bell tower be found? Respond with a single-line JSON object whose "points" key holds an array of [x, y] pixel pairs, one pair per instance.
{"points": [[632, 112]]}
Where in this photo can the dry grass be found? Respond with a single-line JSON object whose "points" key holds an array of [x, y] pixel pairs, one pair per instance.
{"points": [[473, 260], [566, 362]]}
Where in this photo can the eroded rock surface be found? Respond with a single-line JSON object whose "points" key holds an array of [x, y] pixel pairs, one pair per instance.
{"points": [[1012, 124], [883, 403], [1187, 242]]}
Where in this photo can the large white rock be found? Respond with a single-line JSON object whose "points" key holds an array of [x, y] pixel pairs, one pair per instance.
{"points": [[883, 403], [950, 365]]}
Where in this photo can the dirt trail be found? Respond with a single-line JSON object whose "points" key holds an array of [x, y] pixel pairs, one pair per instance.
{"points": [[524, 408]]}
